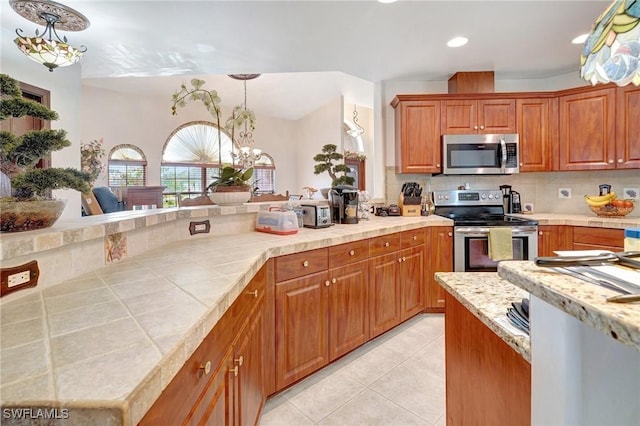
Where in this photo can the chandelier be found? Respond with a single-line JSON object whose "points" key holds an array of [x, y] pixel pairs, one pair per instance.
{"points": [[44, 48], [611, 52], [358, 130], [247, 153]]}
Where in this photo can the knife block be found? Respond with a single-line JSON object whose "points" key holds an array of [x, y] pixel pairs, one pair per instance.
{"points": [[409, 206]]}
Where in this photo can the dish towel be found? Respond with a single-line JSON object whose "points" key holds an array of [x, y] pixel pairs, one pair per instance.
{"points": [[500, 244]]}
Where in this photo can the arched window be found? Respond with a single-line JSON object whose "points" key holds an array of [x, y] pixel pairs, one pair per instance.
{"points": [[127, 166], [191, 159]]}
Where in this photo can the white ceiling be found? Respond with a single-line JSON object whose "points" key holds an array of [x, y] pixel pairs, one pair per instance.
{"points": [[340, 46]]}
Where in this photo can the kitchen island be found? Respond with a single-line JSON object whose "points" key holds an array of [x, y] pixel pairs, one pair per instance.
{"points": [[101, 347], [584, 352]]}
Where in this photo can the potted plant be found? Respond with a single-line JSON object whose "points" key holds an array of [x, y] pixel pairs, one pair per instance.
{"points": [[91, 154], [337, 172], [26, 203], [230, 179]]}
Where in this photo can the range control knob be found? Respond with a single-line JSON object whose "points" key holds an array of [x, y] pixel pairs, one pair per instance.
{"points": [[483, 196]]}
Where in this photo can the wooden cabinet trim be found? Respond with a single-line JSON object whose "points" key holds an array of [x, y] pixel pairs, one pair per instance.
{"points": [[347, 253], [384, 244], [300, 264]]}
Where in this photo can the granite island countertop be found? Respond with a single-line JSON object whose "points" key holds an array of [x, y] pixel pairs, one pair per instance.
{"points": [[582, 300], [105, 344], [487, 296]]}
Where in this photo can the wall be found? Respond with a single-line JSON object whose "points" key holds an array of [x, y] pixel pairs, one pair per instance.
{"points": [[64, 86]]}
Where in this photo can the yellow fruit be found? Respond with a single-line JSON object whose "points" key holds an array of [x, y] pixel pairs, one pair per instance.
{"points": [[600, 200]]}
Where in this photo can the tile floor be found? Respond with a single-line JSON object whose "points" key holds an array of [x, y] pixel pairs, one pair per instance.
{"points": [[396, 379]]}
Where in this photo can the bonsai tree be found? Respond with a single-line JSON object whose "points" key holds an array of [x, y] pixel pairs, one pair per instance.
{"points": [[326, 164], [20, 154]]}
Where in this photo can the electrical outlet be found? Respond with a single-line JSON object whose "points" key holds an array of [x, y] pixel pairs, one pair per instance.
{"points": [[19, 278], [564, 193], [199, 227]]}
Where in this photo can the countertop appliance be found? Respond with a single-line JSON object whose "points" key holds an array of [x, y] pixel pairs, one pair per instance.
{"points": [[344, 204], [315, 216], [510, 200], [480, 154], [474, 213]]}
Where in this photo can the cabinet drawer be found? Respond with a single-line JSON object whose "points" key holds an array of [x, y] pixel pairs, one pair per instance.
{"points": [[348, 253], [598, 236], [412, 238], [299, 264], [248, 299], [384, 244]]}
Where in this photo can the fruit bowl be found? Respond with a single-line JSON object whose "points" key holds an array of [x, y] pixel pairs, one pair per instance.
{"points": [[611, 211]]}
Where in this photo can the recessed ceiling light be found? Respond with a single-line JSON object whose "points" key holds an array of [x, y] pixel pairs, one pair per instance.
{"points": [[387, 1], [580, 39], [457, 41]]}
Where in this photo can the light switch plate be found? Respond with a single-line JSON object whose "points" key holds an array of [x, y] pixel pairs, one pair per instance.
{"points": [[564, 193]]}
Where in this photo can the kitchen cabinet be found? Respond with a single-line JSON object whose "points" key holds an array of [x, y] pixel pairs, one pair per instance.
{"points": [[412, 273], [321, 316], [487, 382], [417, 136], [535, 126], [628, 127], [586, 130], [585, 238], [554, 237], [222, 383], [478, 116], [440, 255], [384, 300]]}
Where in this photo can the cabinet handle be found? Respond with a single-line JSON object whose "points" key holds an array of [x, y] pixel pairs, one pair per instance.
{"points": [[305, 263], [521, 164], [234, 370], [254, 293], [481, 127], [334, 280], [540, 233], [620, 160], [475, 127], [239, 361], [326, 283], [206, 368], [610, 161], [352, 253], [450, 234], [386, 244], [438, 165], [404, 259], [414, 238], [400, 260]]}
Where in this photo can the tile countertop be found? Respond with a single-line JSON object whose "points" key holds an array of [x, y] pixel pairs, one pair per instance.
{"points": [[580, 299], [583, 220], [487, 296], [104, 345]]}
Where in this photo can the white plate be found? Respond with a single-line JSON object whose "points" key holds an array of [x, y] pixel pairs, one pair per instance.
{"points": [[582, 252]]}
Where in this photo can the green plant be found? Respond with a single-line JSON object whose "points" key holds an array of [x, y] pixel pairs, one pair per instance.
{"points": [[326, 160], [91, 154], [19, 155], [230, 176]]}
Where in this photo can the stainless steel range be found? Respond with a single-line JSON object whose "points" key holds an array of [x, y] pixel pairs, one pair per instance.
{"points": [[474, 213]]}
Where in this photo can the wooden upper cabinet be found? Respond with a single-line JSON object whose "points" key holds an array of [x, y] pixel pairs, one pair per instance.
{"points": [[535, 128], [417, 136], [587, 130], [478, 116], [628, 127]]}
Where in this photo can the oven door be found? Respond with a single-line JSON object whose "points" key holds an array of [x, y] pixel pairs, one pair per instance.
{"points": [[471, 247]]}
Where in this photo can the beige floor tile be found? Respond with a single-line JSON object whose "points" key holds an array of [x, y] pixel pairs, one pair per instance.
{"points": [[371, 365], [278, 411], [370, 409], [430, 358]]}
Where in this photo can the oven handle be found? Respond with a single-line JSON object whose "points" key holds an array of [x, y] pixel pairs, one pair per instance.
{"points": [[483, 232]]}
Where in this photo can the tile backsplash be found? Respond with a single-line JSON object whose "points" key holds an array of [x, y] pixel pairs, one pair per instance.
{"points": [[541, 189]]}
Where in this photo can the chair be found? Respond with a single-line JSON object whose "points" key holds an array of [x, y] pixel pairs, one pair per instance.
{"points": [[108, 200]]}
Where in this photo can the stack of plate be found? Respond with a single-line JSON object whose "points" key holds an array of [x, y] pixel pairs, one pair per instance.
{"points": [[518, 314]]}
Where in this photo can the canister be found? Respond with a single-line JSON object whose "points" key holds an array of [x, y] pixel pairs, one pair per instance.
{"points": [[632, 240]]}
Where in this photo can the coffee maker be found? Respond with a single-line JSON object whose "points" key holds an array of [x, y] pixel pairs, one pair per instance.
{"points": [[344, 204], [510, 200]]}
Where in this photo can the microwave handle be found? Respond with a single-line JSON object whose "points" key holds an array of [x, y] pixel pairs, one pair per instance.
{"points": [[503, 150]]}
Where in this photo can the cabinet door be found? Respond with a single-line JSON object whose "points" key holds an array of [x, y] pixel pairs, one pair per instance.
{"points": [[301, 327], [534, 128], [585, 238], [441, 256], [249, 396], [459, 117], [215, 405], [553, 237], [384, 294], [628, 127], [348, 308], [587, 130], [412, 280], [496, 116], [417, 127]]}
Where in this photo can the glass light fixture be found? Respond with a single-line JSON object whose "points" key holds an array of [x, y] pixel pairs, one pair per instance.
{"points": [[611, 53], [358, 130], [43, 48], [247, 154], [457, 41]]}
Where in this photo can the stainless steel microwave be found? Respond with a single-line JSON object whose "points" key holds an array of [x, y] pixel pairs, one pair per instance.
{"points": [[489, 154]]}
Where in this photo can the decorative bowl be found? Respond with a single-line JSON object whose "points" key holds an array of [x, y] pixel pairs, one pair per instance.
{"points": [[29, 215], [223, 198], [611, 211]]}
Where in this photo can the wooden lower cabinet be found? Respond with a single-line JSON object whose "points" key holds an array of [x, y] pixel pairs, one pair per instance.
{"points": [[248, 373], [552, 238], [384, 297], [585, 238], [487, 382], [440, 259]]}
